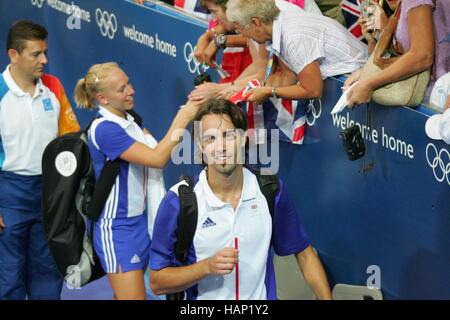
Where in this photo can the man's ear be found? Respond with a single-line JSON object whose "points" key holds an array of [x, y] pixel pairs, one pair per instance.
{"points": [[13, 55]]}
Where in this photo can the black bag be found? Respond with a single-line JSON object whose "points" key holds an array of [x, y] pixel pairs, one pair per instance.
{"points": [[70, 196], [187, 220]]}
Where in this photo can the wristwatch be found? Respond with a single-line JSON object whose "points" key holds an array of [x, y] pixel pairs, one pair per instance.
{"points": [[221, 40], [274, 92]]}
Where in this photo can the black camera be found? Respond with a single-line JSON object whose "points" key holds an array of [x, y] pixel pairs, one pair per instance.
{"points": [[202, 78], [353, 142]]}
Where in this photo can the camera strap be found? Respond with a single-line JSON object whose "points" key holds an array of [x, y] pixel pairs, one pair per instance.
{"points": [[371, 164]]}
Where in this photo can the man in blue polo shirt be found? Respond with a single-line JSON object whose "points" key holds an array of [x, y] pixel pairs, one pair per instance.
{"points": [[231, 208]]}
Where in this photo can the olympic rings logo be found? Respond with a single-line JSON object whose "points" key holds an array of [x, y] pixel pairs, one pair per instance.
{"points": [[439, 162], [107, 23], [314, 111], [37, 3], [189, 57]]}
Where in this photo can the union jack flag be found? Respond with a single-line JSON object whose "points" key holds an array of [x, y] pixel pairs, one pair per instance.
{"points": [[289, 116], [351, 9], [192, 6]]}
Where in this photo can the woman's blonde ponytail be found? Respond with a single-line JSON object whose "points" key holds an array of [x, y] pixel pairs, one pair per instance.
{"points": [[88, 87]]}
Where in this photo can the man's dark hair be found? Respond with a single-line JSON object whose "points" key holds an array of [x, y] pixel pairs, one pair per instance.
{"points": [[221, 107], [23, 30], [221, 3]]}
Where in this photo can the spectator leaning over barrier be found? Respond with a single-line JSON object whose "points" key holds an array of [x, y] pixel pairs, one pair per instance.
{"points": [[232, 212], [121, 238], [313, 47], [259, 54], [220, 35], [207, 47], [421, 25], [33, 111]]}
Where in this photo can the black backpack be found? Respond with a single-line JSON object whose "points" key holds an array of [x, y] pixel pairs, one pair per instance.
{"points": [[70, 196], [187, 220]]}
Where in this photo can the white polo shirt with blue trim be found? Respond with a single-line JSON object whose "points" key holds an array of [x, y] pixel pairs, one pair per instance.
{"points": [[217, 226], [27, 124]]}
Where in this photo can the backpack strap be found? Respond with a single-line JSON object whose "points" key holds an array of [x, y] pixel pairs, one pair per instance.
{"points": [[270, 187], [187, 220], [137, 118], [103, 188]]}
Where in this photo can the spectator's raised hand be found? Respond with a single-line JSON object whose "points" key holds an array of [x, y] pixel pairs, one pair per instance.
{"points": [[209, 54], [351, 79], [367, 28], [202, 43], [372, 25], [205, 91], [259, 95], [379, 17], [360, 93], [230, 91]]}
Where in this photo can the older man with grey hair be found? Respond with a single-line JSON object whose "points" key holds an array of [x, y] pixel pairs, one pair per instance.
{"points": [[313, 47]]}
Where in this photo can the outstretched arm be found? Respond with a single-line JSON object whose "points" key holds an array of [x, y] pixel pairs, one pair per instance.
{"points": [[158, 157], [310, 85]]}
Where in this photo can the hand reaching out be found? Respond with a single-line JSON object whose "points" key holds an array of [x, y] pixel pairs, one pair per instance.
{"points": [[259, 95], [351, 79], [360, 93], [230, 91], [206, 91], [191, 108]]}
